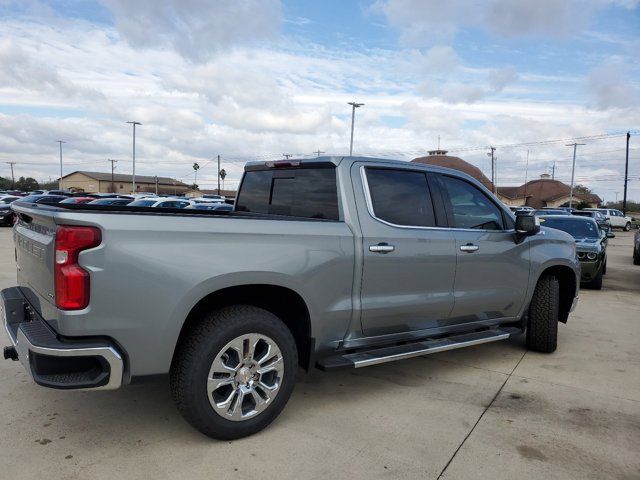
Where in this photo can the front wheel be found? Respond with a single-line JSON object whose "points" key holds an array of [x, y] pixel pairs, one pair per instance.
{"points": [[627, 227], [636, 257], [234, 372], [542, 327]]}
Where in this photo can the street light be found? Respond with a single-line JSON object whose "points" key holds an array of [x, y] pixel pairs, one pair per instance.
{"points": [[354, 105], [60, 182], [134, 154]]}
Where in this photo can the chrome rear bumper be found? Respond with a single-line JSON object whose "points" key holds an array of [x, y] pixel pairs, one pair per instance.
{"points": [[53, 361]]}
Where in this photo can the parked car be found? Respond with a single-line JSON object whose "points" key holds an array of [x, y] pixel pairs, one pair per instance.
{"points": [[160, 202], [616, 218], [521, 209], [78, 200], [636, 248], [46, 198], [111, 201], [335, 262], [215, 206], [591, 245], [207, 200], [550, 212], [602, 221], [7, 199]]}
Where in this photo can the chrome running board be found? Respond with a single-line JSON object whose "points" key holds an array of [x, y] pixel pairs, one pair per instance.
{"points": [[415, 349]]}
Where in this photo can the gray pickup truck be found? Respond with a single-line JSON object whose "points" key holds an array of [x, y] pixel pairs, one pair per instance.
{"points": [[334, 262]]}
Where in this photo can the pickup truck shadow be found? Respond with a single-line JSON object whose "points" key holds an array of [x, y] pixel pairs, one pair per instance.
{"points": [[144, 411]]}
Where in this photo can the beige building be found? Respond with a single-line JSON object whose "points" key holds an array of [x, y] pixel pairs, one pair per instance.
{"points": [[100, 182]]}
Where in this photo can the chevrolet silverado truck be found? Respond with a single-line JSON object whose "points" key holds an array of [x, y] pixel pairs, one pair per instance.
{"points": [[335, 262]]}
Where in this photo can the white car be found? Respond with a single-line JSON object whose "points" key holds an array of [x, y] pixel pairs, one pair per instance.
{"points": [[616, 217], [208, 199], [160, 202]]}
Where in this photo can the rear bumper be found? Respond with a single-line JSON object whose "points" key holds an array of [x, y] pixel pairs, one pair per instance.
{"points": [[51, 360]]}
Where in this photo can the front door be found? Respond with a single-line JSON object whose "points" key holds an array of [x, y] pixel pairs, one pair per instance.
{"points": [[408, 262], [492, 272]]}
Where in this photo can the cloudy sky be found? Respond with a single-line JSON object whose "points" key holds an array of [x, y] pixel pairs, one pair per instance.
{"points": [[254, 79]]}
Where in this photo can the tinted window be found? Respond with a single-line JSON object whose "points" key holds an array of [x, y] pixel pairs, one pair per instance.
{"points": [[401, 197], [142, 203], [574, 227], [470, 207], [50, 199], [308, 193]]}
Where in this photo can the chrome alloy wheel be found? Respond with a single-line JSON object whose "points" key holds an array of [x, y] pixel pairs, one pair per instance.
{"points": [[245, 377]]}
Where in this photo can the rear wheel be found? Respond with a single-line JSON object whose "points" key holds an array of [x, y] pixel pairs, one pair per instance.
{"points": [[542, 327], [234, 372], [636, 257]]}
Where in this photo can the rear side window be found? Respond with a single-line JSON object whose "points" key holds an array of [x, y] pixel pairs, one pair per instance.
{"points": [[307, 193], [401, 197], [469, 207]]}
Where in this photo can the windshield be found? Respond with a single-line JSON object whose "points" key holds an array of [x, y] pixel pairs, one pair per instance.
{"points": [[8, 199], [574, 227], [142, 203]]}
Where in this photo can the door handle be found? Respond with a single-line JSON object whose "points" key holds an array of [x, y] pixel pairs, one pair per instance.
{"points": [[469, 248], [382, 248]]}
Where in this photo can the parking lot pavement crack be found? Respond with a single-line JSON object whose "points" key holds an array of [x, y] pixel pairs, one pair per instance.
{"points": [[444, 470]]}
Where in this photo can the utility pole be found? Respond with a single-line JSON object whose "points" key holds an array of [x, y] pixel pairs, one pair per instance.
{"points": [[617, 197], [60, 182], [354, 105], [13, 181], [493, 169], [318, 152], [287, 155], [113, 187], [626, 177], [526, 171], [134, 154], [155, 179], [553, 171], [218, 174], [573, 169]]}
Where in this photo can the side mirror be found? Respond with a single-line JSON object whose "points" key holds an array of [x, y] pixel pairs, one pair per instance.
{"points": [[611, 235], [527, 224]]}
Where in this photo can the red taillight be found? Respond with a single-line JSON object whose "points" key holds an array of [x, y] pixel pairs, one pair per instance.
{"points": [[71, 280]]}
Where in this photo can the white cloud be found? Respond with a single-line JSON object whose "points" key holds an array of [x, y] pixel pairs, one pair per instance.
{"points": [[432, 22], [197, 29], [610, 86]]}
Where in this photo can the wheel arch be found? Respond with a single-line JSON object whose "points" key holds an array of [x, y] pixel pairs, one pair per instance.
{"points": [[283, 302], [568, 284]]}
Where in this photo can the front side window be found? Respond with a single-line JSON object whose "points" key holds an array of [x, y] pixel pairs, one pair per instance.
{"points": [[401, 197], [469, 207]]}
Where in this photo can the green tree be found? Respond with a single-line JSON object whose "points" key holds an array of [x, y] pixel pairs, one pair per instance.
{"points": [[26, 184], [582, 189], [5, 183]]}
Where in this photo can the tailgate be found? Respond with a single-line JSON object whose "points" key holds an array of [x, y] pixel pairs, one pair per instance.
{"points": [[34, 237]]}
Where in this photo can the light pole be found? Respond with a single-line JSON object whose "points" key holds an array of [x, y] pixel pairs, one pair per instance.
{"points": [[60, 182], [134, 154], [354, 105], [573, 169]]}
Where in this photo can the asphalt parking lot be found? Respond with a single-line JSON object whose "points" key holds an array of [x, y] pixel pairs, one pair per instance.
{"points": [[493, 411]]}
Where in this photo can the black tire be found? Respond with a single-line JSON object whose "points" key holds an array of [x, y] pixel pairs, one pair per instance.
{"points": [[596, 283], [198, 349], [604, 268], [542, 327], [627, 227], [636, 257]]}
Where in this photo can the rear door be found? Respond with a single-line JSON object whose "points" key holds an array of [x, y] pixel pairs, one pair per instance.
{"points": [[492, 270], [408, 261]]}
